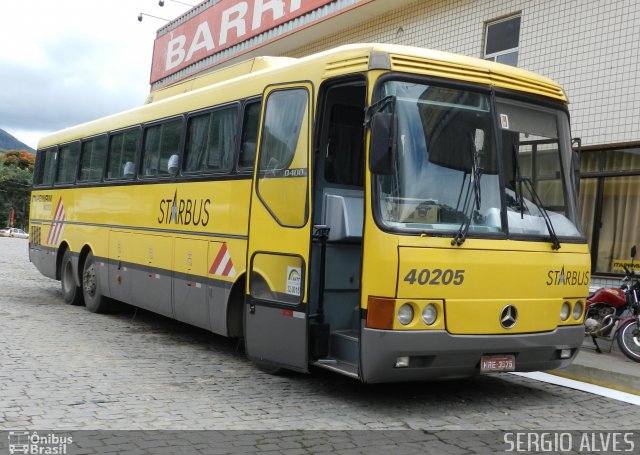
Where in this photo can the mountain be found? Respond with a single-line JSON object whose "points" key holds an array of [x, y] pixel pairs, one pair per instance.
{"points": [[9, 142]]}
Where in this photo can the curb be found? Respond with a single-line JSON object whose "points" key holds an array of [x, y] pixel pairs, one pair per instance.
{"points": [[622, 382], [610, 369]]}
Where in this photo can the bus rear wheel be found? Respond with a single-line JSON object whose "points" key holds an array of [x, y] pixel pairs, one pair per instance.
{"points": [[94, 300], [71, 293]]}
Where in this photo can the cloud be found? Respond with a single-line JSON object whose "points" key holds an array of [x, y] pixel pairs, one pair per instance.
{"points": [[66, 88], [72, 61]]}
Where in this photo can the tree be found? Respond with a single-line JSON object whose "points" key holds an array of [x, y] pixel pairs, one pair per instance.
{"points": [[16, 178], [19, 158]]}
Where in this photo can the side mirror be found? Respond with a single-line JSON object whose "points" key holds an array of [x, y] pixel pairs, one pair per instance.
{"points": [[633, 252], [383, 143]]}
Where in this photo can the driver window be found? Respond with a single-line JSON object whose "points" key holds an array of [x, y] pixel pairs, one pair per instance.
{"points": [[282, 182]]}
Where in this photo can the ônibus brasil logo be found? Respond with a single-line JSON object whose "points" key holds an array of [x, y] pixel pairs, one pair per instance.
{"points": [[33, 443]]}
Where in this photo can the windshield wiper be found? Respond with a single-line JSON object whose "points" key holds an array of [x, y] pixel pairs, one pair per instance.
{"points": [[545, 215], [534, 195], [473, 195], [518, 176]]}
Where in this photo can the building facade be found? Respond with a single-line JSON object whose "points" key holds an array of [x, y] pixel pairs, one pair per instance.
{"points": [[588, 46]]}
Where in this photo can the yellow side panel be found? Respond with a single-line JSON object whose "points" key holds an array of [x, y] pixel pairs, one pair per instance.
{"points": [[147, 250], [190, 256], [143, 220], [282, 273], [380, 262], [286, 198], [227, 259], [274, 238]]}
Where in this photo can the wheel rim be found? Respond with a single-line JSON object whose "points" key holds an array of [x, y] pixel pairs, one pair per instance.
{"points": [[631, 339], [89, 281], [635, 338]]}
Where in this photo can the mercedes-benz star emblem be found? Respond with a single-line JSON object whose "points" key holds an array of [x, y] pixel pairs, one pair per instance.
{"points": [[508, 317]]}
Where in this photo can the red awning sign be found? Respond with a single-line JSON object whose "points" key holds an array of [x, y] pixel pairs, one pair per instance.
{"points": [[219, 27]]}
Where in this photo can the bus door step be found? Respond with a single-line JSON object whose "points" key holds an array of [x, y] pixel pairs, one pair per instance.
{"points": [[347, 369], [344, 345]]}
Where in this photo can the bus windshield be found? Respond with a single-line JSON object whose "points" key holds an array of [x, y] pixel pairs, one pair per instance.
{"points": [[446, 171]]}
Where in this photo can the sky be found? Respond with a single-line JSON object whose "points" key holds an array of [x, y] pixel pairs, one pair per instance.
{"points": [[64, 62]]}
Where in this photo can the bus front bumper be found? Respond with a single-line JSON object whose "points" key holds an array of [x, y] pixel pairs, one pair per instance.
{"points": [[441, 355]]}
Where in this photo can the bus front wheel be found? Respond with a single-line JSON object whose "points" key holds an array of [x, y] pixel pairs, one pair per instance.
{"points": [[70, 292], [94, 300]]}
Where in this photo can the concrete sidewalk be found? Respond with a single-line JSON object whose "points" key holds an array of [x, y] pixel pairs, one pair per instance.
{"points": [[610, 369]]}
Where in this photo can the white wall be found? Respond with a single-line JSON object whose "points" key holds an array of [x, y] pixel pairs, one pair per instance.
{"points": [[590, 47]]}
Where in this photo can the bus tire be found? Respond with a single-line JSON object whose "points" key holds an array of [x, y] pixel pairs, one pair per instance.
{"points": [[94, 300], [71, 293]]}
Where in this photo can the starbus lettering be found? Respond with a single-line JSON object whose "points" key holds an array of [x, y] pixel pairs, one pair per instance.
{"points": [[567, 277], [42, 198], [185, 212]]}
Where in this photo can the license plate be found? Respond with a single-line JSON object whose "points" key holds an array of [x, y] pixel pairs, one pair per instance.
{"points": [[489, 363]]}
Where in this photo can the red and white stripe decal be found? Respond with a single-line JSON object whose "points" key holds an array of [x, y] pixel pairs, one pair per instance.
{"points": [[57, 225], [222, 264]]}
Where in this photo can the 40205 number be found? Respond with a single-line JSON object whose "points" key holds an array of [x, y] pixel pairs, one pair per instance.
{"points": [[435, 277]]}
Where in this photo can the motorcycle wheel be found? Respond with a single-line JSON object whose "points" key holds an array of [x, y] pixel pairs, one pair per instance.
{"points": [[629, 340]]}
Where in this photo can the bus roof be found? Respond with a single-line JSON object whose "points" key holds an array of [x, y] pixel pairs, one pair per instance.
{"points": [[348, 59]]}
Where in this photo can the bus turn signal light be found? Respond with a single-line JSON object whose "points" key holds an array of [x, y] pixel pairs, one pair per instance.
{"points": [[380, 313]]}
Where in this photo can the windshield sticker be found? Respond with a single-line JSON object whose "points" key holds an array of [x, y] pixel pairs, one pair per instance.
{"points": [[504, 121], [294, 277]]}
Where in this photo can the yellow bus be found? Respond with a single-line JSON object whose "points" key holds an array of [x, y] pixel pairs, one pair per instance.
{"points": [[386, 212]]}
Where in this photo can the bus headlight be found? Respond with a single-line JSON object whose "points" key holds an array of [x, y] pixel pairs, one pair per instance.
{"points": [[564, 311], [429, 314], [577, 310], [405, 314]]}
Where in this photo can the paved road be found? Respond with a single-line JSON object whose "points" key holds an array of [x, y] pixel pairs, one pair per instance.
{"points": [[62, 367]]}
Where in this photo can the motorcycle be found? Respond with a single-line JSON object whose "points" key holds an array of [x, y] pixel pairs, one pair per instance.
{"points": [[615, 313]]}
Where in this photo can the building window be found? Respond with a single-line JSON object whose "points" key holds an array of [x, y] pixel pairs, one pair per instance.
{"points": [[609, 188], [502, 38]]}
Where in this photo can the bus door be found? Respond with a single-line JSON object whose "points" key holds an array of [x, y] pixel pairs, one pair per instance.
{"points": [[279, 232]]}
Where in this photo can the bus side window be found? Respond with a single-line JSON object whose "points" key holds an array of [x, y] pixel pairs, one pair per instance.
{"points": [[211, 140], [161, 142], [123, 148], [283, 166], [249, 141], [92, 158], [345, 152], [67, 163]]}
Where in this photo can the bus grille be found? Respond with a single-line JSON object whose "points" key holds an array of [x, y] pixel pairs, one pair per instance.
{"points": [[461, 71], [352, 65], [34, 235]]}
